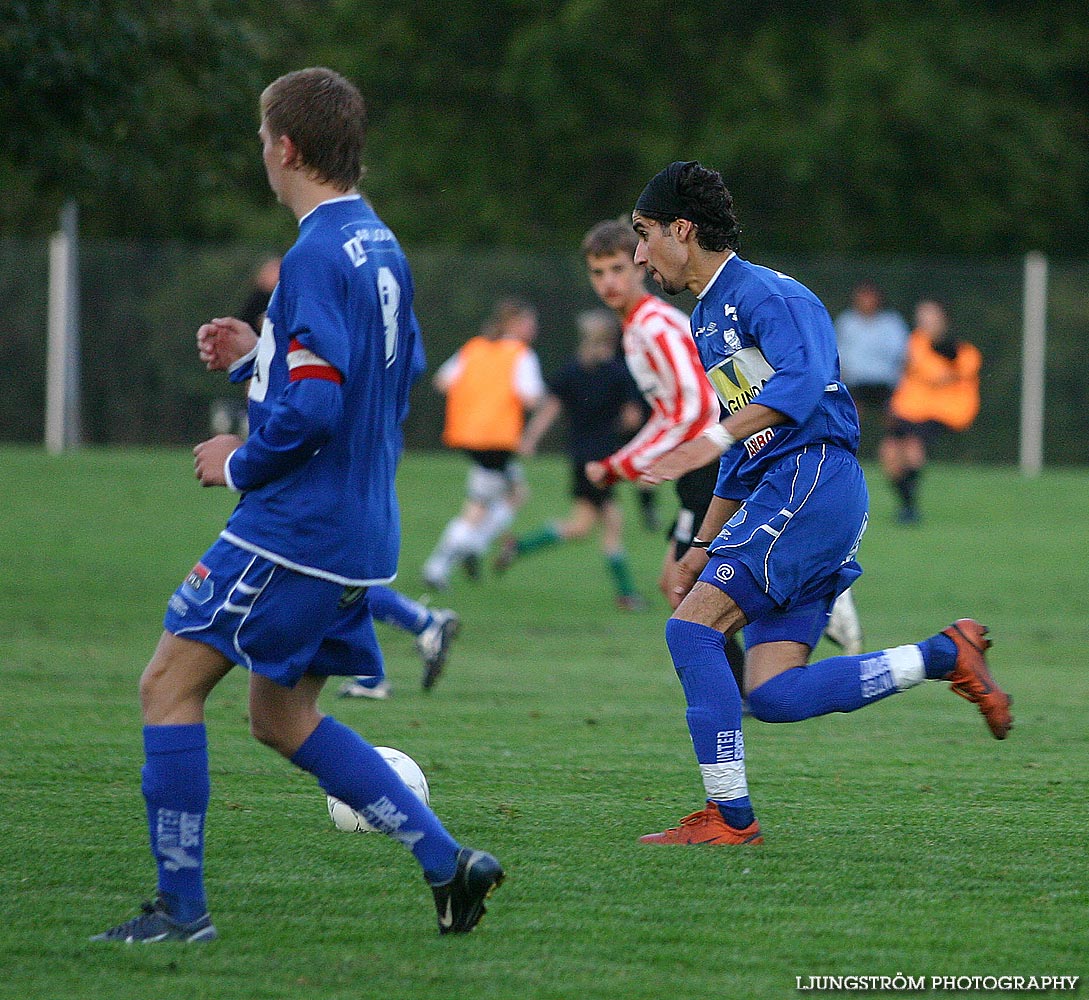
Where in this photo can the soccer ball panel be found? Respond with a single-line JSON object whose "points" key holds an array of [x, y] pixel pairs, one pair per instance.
{"points": [[345, 818]]}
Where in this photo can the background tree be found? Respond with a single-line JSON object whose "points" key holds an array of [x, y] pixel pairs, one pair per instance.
{"points": [[952, 127], [141, 111]]}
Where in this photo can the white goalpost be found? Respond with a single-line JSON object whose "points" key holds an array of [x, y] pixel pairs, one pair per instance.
{"points": [[62, 387], [1033, 358]]}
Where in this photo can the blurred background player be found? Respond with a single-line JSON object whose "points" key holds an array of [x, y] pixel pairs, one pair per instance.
{"points": [[596, 393], [228, 414], [489, 385], [939, 392], [872, 341], [434, 629], [264, 281]]}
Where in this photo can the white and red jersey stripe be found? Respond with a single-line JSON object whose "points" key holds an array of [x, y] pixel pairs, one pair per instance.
{"points": [[304, 363], [663, 360]]}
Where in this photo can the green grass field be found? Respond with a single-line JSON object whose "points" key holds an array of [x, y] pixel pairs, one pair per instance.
{"points": [[900, 839]]}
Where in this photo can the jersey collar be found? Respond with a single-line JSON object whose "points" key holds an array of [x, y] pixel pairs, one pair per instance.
{"points": [[635, 308], [714, 277], [329, 201]]}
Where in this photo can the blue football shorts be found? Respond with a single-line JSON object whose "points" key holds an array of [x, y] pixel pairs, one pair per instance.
{"points": [[272, 620], [790, 549]]}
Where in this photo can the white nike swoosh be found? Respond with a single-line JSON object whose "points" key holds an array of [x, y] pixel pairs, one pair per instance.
{"points": [[447, 919]]}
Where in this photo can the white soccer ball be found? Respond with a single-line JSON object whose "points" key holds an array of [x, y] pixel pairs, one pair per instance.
{"points": [[347, 819]]}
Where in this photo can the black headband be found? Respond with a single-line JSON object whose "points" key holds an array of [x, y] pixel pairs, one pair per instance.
{"points": [[661, 198]]}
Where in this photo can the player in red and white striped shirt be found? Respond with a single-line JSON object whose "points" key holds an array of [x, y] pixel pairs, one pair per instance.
{"points": [[662, 358], [663, 361]]}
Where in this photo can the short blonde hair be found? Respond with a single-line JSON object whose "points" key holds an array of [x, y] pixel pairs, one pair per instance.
{"points": [[609, 237], [323, 114], [598, 326]]}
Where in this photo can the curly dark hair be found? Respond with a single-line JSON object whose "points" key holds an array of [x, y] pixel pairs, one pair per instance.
{"points": [[712, 208]]}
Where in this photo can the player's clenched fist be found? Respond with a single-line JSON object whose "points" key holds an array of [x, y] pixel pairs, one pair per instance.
{"points": [[210, 459], [221, 342]]}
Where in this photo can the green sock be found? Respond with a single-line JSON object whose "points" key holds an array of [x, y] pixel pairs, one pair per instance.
{"points": [[544, 536], [618, 566]]}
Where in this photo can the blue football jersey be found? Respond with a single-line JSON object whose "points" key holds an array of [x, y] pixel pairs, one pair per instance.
{"points": [[763, 336], [340, 338]]}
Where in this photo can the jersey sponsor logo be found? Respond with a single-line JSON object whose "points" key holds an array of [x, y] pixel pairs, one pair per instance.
{"points": [[198, 586], [729, 336], [759, 440], [740, 378], [356, 251]]}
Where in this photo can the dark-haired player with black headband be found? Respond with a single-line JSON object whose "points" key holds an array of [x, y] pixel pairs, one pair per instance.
{"points": [[788, 514]]}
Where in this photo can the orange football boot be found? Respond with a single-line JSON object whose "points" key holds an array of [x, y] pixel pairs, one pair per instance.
{"points": [[706, 827], [972, 680]]}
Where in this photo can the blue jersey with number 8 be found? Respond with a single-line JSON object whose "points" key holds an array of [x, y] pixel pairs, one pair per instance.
{"points": [[329, 386]]}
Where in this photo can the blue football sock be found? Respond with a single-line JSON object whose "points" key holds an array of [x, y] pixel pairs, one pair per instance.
{"points": [[738, 813], [939, 656], [391, 608], [713, 713], [714, 703], [350, 769], [176, 791], [837, 684]]}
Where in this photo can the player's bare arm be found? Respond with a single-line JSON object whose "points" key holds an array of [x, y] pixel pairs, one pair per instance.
{"points": [[598, 473], [222, 342], [694, 454], [543, 418]]}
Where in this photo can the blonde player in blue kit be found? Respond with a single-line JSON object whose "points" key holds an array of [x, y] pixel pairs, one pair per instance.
{"points": [[281, 590], [779, 541]]}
